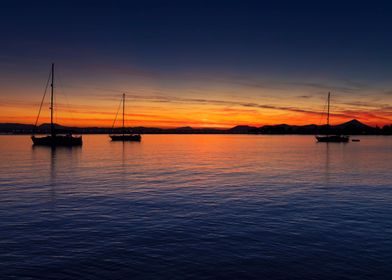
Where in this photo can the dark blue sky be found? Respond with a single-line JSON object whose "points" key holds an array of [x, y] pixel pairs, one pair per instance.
{"points": [[182, 47], [237, 36]]}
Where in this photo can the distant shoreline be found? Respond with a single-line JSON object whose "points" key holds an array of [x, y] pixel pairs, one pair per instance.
{"points": [[353, 127]]}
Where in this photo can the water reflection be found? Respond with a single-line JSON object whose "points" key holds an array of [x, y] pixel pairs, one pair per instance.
{"points": [[63, 160], [125, 155], [123, 172], [327, 163], [232, 204]]}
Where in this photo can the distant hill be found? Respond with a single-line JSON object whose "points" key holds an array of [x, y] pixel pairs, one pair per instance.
{"points": [[353, 124], [353, 127], [242, 129]]}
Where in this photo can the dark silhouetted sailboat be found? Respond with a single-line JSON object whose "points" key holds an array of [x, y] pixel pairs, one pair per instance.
{"points": [[55, 138], [331, 138], [123, 136]]}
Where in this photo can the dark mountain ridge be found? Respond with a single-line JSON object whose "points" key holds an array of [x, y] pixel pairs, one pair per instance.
{"points": [[353, 127]]}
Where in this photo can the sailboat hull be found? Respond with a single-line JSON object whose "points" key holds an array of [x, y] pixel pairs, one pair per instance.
{"points": [[129, 137], [333, 139], [58, 140]]}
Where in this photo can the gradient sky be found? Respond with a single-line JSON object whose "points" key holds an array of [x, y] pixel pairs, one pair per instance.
{"points": [[196, 63]]}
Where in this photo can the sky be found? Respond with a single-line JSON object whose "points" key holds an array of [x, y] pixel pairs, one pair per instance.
{"points": [[197, 63]]}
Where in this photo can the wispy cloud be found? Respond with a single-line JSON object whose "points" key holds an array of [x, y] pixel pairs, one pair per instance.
{"points": [[180, 100], [343, 86]]}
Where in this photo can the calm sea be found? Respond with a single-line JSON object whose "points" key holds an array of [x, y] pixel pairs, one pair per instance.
{"points": [[196, 207]]}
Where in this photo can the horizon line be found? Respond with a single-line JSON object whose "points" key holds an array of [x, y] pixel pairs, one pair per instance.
{"points": [[194, 127]]}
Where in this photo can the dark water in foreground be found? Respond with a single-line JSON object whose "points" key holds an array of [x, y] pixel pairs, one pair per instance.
{"points": [[201, 206]]}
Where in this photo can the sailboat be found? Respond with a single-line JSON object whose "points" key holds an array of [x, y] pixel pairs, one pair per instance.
{"points": [[123, 136], [55, 138], [331, 138]]}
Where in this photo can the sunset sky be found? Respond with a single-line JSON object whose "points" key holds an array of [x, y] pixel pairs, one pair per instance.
{"points": [[196, 63]]}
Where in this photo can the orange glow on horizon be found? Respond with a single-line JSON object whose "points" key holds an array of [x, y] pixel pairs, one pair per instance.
{"points": [[193, 118], [207, 108]]}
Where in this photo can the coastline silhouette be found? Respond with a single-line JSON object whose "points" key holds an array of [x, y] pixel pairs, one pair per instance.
{"points": [[353, 127]]}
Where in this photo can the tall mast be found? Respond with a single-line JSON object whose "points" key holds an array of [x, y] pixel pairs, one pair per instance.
{"points": [[123, 113], [52, 132], [329, 101]]}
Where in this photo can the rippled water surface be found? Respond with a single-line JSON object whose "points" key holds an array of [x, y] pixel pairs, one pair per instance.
{"points": [[196, 206]]}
